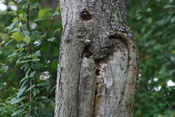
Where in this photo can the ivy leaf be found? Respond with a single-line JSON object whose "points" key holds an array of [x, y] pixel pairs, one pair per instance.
{"points": [[17, 36], [42, 12], [27, 39]]}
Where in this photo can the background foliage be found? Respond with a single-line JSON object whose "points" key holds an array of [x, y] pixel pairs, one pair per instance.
{"points": [[32, 55], [153, 25], [29, 51]]}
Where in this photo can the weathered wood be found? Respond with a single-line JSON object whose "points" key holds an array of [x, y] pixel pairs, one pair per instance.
{"points": [[97, 69]]}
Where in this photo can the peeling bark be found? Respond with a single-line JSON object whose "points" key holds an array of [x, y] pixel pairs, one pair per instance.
{"points": [[98, 61]]}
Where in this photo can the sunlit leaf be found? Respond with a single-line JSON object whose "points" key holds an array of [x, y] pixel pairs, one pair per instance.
{"points": [[42, 12], [58, 8], [17, 36], [1, 34]]}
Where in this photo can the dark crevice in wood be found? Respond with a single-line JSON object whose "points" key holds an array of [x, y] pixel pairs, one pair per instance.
{"points": [[94, 104], [86, 52], [85, 15], [97, 72], [118, 37]]}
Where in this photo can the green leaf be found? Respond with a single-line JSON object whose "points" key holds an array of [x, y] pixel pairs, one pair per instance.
{"points": [[39, 20], [160, 116], [21, 91], [12, 56], [168, 6], [31, 87], [20, 1], [27, 39], [53, 64], [17, 112], [51, 39], [57, 30], [148, 9], [26, 32], [43, 84], [37, 53], [17, 36], [42, 12], [47, 115], [13, 25], [58, 8], [5, 68], [11, 3], [8, 42], [1, 34], [172, 19], [17, 100]]}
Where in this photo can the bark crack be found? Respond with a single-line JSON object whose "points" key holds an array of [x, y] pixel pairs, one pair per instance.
{"points": [[94, 105]]}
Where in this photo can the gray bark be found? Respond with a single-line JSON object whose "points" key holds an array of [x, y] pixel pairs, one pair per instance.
{"points": [[97, 69]]}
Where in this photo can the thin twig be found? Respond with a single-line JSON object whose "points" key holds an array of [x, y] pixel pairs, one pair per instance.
{"points": [[28, 26], [46, 33], [5, 39], [4, 89], [30, 51], [18, 16], [7, 73]]}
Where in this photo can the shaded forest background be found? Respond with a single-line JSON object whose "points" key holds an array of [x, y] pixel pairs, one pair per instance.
{"points": [[152, 23]]}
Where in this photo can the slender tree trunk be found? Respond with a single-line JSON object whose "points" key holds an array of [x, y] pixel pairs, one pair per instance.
{"points": [[98, 60]]}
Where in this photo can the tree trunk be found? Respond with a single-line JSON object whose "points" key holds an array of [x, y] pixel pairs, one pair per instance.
{"points": [[98, 67]]}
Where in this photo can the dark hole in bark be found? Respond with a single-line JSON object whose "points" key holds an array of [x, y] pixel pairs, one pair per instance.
{"points": [[112, 37], [85, 15], [97, 72], [96, 92], [86, 52], [116, 36]]}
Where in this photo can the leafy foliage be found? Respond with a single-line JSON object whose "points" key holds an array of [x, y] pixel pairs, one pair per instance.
{"points": [[153, 24], [29, 55], [29, 50]]}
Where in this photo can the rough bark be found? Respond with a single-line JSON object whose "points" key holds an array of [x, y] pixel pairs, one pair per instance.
{"points": [[97, 69]]}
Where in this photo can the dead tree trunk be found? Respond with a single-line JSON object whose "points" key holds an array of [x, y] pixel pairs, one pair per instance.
{"points": [[97, 69]]}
